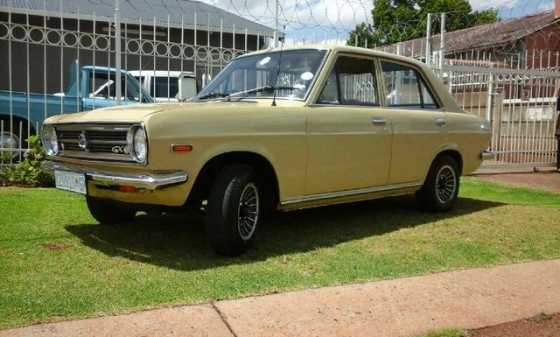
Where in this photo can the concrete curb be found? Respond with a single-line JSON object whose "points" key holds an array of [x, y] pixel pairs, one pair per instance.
{"points": [[466, 299]]}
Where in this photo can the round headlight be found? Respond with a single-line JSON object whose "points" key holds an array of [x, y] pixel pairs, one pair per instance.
{"points": [[50, 142], [140, 145]]}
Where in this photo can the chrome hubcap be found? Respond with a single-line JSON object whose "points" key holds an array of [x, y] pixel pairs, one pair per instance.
{"points": [[8, 145], [248, 211], [446, 184]]}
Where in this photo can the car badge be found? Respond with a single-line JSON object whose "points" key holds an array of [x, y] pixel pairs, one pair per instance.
{"points": [[82, 140]]}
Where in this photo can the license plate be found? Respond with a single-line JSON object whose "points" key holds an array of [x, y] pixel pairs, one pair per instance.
{"points": [[70, 181]]}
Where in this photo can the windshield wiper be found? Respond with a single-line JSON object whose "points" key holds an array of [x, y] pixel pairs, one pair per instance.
{"points": [[259, 89], [214, 95]]}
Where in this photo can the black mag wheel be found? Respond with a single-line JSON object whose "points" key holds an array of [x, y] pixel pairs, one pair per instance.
{"points": [[234, 210], [446, 184], [440, 190], [248, 211]]}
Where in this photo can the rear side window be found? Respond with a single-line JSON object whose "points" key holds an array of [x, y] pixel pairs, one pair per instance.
{"points": [[351, 82], [405, 87]]}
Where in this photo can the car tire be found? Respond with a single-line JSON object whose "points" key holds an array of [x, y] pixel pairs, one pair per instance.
{"points": [[108, 212], [234, 210], [9, 138], [440, 190]]}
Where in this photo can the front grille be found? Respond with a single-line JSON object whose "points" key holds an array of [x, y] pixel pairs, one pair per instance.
{"points": [[97, 142]]}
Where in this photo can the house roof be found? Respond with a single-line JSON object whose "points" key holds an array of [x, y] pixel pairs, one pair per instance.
{"points": [[484, 36], [132, 10]]}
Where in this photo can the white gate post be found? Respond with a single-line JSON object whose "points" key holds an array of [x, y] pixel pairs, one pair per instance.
{"points": [[489, 100], [117, 54], [276, 26], [428, 37], [442, 42]]}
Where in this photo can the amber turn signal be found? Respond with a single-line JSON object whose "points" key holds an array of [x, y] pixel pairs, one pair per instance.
{"points": [[181, 148], [128, 189]]}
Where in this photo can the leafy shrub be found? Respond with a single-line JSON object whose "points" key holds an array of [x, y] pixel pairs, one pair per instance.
{"points": [[29, 172]]}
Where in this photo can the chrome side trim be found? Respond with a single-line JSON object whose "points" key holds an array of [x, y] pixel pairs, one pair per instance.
{"points": [[141, 180], [349, 193], [487, 155]]}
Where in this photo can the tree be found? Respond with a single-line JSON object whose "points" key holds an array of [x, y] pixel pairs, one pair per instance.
{"points": [[401, 20]]}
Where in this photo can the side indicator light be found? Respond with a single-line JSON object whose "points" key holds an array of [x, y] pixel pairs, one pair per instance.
{"points": [[128, 189], [182, 148]]}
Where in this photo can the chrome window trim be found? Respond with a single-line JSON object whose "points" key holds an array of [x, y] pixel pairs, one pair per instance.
{"points": [[375, 72], [423, 78]]}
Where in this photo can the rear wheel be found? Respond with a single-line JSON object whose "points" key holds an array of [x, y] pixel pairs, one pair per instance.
{"points": [[234, 210], [441, 187], [109, 212]]}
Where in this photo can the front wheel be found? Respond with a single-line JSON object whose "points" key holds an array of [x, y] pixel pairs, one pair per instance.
{"points": [[109, 212], [440, 190], [234, 210]]}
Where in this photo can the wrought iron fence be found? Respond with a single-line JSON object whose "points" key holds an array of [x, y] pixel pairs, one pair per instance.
{"points": [[55, 62]]}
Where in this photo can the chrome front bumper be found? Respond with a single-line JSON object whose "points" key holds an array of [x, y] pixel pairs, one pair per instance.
{"points": [[487, 155], [140, 181]]}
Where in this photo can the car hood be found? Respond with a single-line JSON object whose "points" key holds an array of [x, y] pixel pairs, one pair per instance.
{"points": [[140, 112], [117, 114]]}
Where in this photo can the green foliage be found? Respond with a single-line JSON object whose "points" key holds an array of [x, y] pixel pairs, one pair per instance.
{"points": [[445, 333], [402, 20], [29, 172]]}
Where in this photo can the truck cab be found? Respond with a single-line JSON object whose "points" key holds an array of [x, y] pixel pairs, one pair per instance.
{"points": [[167, 86], [90, 87]]}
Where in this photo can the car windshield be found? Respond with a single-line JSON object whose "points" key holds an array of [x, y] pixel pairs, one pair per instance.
{"points": [[259, 75]]}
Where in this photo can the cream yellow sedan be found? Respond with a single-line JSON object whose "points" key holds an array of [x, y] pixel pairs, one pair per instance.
{"points": [[276, 129]]}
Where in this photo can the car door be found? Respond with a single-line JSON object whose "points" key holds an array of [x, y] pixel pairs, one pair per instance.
{"points": [[418, 123], [348, 132]]}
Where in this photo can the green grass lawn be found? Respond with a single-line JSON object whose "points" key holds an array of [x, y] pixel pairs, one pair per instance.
{"points": [[56, 262]]}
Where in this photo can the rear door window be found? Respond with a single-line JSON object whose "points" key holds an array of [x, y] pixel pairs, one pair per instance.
{"points": [[351, 82], [405, 87]]}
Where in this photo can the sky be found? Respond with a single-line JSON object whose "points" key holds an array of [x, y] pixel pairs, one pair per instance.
{"points": [[331, 20]]}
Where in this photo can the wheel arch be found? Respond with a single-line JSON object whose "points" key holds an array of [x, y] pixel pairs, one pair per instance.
{"points": [[16, 119], [453, 153], [261, 164]]}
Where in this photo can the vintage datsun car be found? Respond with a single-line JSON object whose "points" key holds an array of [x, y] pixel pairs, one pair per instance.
{"points": [[276, 129]]}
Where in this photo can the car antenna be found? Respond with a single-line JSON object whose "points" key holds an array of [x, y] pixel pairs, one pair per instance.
{"points": [[278, 70]]}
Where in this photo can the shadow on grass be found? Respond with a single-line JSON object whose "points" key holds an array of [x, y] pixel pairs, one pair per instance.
{"points": [[178, 241]]}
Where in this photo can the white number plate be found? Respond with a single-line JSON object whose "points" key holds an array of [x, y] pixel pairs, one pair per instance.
{"points": [[70, 181]]}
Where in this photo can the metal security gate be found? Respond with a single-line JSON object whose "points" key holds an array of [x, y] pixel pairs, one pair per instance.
{"points": [[518, 100], [55, 61]]}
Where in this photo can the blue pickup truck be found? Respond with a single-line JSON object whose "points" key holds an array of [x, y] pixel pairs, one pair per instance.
{"points": [[90, 88]]}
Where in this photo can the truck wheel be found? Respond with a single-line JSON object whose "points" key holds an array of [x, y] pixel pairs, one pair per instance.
{"points": [[234, 210], [9, 139], [108, 212], [440, 190]]}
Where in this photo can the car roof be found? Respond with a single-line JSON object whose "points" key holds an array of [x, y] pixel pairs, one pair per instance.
{"points": [[338, 48]]}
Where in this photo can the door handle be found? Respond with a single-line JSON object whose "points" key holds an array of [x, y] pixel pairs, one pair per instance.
{"points": [[440, 121], [378, 121]]}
